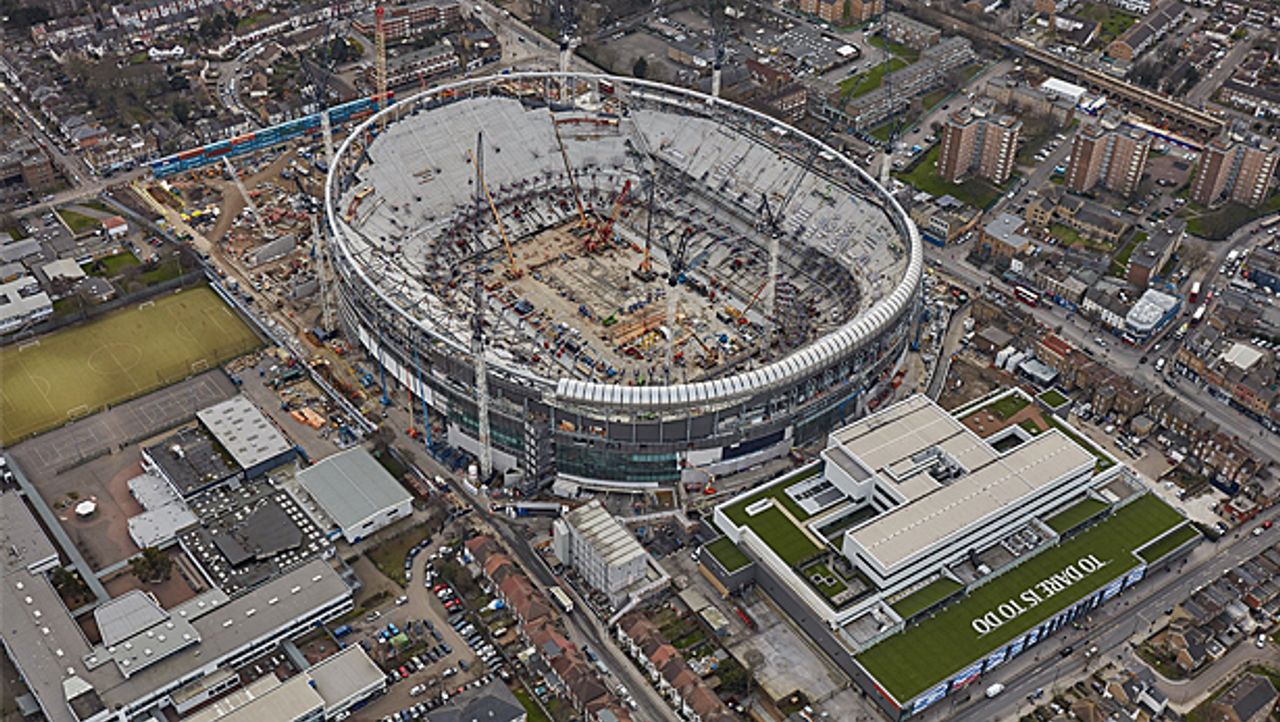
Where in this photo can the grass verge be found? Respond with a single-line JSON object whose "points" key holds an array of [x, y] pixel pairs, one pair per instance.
{"points": [[1175, 539], [1075, 514], [925, 597]]}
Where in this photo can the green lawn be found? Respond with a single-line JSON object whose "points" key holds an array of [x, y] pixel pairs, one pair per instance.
{"points": [[925, 597], [96, 205], [737, 512], [113, 265], [728, 554], [163, 271], [1053, 398], [881, 132], [864, 83], [784, 538], [1218, 224], [531, 708], [79, 223], [1114, 21], [1066, 235], [930, 100], [1071, 516], [1031, 426], [909, 54], [924, 176], [388, 556], [1120, 263], [119, 356], [1006, 406], [915, 660], [1169, 543]]}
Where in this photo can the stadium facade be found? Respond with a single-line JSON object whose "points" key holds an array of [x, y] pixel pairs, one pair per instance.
{"points": [[391, 188]]}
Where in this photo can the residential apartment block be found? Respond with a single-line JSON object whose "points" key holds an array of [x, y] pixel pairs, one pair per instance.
{"points": [[910, 32], [976, 142], [1109, 155], [842, 12], [1235, 168]]}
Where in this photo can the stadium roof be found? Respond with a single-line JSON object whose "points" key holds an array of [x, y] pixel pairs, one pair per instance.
{"points": [[352, 486], [892, 444], [244, 432]]}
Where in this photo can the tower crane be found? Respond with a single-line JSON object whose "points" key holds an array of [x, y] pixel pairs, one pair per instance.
{"points": [[568, 170], [645, 271], [719, 43], [677, 256], [564, 9], [248, 201], [513, 270], [477, 330], [380, 40]]}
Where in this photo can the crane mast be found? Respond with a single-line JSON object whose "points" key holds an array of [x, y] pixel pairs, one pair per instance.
{"points": [[477, 331], [380, 39], [673, 280], [253, 208]]}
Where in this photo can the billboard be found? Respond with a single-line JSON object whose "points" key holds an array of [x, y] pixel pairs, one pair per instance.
{"points": [[1015, 647], [997, 657], [1112, 589], [962, 680], [1135, 576], [928, 698]]}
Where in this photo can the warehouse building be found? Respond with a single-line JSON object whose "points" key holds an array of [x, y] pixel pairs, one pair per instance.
{"points": [[232, 440], [356, 493]]}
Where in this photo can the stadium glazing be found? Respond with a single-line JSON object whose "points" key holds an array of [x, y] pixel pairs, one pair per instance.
{"points": [[569, 397]]}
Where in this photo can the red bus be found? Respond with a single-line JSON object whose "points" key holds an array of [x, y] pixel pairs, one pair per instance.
{"points": [[1026, 295], [1195, 293]]}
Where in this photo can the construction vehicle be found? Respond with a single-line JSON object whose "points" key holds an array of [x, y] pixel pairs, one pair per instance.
{"points": [[604, 231], [710, 356]]}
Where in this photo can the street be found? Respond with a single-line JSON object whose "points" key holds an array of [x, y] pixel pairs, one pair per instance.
{"points": [[1120, 357]]}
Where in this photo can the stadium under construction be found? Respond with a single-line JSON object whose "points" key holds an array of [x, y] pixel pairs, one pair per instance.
{"points": [[633, 283]]}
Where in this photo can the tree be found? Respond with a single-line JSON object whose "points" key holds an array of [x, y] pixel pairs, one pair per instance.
{"points": [[152, 565], [641, 67]]}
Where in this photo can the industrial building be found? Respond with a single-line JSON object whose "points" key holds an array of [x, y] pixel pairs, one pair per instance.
{"points": [[232, 440], [602, 367], [147, 654], [356, 492], [893, 550], [603, 552]]}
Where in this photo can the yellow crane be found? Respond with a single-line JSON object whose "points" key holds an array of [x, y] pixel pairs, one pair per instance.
{"points": [[568, 169], [513, 271]]}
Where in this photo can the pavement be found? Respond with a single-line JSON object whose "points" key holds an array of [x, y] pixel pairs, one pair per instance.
{"points": [[1210, 83]]}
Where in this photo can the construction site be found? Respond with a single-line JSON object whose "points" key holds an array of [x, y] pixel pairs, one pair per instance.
{"points": [[540, 257]]}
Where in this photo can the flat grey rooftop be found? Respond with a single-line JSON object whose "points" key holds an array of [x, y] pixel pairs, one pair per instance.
{"points": [[352, 486], [991, 483], [244, 431]]}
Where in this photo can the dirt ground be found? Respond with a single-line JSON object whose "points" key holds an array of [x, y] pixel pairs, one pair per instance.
{"points": [[103, 538], [975, 378]]}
